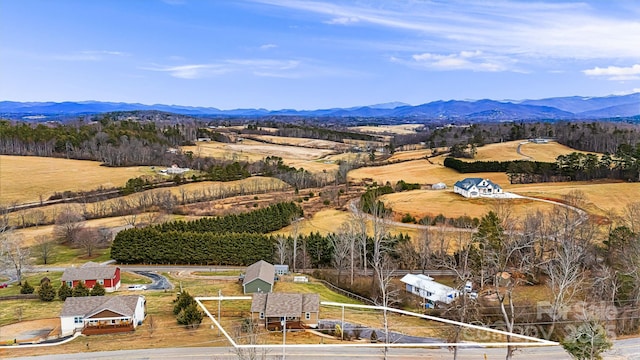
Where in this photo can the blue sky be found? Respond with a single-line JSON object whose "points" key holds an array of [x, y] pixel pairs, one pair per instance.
{"points": [[302, 54]]}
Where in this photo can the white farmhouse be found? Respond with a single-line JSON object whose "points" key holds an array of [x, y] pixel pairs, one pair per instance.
{"points": [[476, 187], [432, 292]]}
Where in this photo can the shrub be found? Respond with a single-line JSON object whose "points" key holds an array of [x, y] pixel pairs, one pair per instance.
{"points": [[46, 292], [407, 218], [80, 290], [181, 302], [26, 288], [326, 202], [98, 290], [64, 291], [190, 317], [374, 336]]}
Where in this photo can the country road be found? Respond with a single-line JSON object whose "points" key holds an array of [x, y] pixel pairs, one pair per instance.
{"points": [[628, 349]]}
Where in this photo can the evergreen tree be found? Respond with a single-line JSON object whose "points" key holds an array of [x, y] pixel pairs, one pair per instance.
{"points": [[183, 301], [97, 290], [46, 292], [191, 316], [80, 290], [26, 288], [64, 291], [587, 341]]}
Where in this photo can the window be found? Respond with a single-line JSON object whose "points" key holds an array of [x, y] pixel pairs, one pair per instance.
{"points": [[77, 320], [101, 282], [70, 283], [261, 315], [307, 316]]}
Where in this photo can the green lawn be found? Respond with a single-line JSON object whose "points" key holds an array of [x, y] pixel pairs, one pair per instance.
{"points": [[66, 255]]}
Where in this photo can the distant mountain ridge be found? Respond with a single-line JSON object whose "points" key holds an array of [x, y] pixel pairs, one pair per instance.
{"points": [[574, 107]]}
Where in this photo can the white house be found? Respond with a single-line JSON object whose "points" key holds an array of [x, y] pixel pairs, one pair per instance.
{"points": [[476, 187], [432, 292], [102, 314]]}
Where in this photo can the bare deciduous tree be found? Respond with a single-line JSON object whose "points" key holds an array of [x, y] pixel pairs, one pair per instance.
{"points": [[44, 248], [89, 239], [13, 254], [68, 224]]}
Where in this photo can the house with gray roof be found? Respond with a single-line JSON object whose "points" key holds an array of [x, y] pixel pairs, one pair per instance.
{"points": [[299, 310], [102, 314], [476, 187], [93, 273], [258, 278]]}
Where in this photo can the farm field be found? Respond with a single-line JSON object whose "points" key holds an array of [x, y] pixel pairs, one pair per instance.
{"points": [[418, 171], [250, 150], [189, 191], [402, 129], [410, 155], [301, 142], [49, 175], [420, 203]]}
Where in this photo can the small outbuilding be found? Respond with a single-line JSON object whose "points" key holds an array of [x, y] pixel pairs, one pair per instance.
{"points": [[259, 278], [439, 186]]}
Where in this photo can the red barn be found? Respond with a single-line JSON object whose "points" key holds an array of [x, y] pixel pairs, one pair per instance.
{"points": [[92, 273]]}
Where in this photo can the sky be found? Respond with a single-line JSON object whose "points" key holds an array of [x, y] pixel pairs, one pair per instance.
{"points": [[299, 54]]}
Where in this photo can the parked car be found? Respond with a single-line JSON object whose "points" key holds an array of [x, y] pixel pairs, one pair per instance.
{"points": [[137, 287]]}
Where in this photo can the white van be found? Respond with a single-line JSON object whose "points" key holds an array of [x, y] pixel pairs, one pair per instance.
{"points": [[138, 287]]}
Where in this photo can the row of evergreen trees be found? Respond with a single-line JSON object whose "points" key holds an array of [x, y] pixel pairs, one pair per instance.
{"points": [[46, 291], [236, 239], [261, 221]]}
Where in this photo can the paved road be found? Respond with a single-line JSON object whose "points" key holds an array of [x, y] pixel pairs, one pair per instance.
{"points": [[623, 350], [159, 282]]}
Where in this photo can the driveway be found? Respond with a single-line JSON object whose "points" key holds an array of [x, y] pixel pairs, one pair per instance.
{"points": [[159, 282]]}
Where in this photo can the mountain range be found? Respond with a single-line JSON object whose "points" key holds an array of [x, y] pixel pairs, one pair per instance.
{"points": [[560, 108]]}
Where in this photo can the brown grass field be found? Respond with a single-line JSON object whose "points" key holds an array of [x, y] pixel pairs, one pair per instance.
{"points": [[420, 203], [250, 150], [301, 142], [403, 129], [26, 178], [418, 171]]}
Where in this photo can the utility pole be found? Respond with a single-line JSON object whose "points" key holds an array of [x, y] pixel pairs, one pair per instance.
{"points": [[219, 301], [284, 337]]}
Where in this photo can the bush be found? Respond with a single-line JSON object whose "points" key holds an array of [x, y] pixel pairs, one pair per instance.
{"points": [[326, 202], [181, 302], [98, 290], [64, 291], [190, 317], [407, 218], [80, 290], [374, 336], [46, 292], [26, 288]]}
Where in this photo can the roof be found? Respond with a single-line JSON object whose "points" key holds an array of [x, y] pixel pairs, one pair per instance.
{"points": [[285, 304], [89, 271], [439, 291], [261, 270], [468, 183], [87, 306]]}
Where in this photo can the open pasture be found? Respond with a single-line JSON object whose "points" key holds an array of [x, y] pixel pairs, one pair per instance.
{"points": [[418, 171], [251, 150], [403, 129], [410, 155], [601, 197], [301, 142], [420, 203], [26, 178]]}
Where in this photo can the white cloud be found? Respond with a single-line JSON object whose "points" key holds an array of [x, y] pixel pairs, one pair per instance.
{"points": [[616, 72], [345, 20], [464, 60], [89, 55], [257, 67], [268, 46], [567, 30]]}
